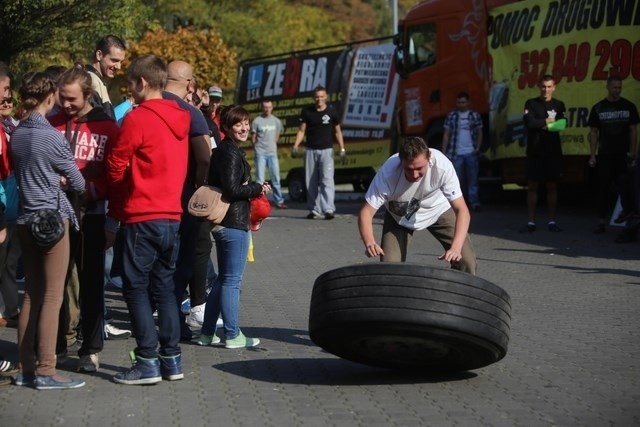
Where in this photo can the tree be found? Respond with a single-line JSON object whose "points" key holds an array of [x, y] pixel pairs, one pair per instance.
{"points": [[287, 28], [37, 33], [212, 59]]}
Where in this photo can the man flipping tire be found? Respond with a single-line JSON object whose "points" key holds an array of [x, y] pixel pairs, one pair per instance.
{"points": [[420, 190]]}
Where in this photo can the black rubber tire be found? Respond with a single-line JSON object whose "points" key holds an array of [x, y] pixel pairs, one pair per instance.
{"points": [[407, 316], [297, 186]]}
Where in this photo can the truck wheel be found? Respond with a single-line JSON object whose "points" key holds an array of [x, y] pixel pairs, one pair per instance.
{"points": [[297, 186], [406, 316]]}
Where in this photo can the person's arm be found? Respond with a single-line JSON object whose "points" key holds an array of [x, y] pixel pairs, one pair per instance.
{"points": [[338, 133], [445, 140], [463, 219], [633, 143], [531, 121], [299, 136], [478, 133], [201, 149], [365, 226], [593, 145]]}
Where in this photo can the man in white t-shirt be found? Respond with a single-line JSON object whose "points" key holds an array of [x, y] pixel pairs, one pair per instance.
{"points": [[419, 189]]}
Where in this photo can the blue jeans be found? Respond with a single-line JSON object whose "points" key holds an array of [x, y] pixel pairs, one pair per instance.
{"points": [[466, 167], [271, 163], [232, 246], [148, 264]]}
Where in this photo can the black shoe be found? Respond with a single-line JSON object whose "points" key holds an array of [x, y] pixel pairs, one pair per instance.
{"points": [[529, 228], [553, 227], [329, 215], [185, 333], [623, 217], [313, 215], [600, 229]]}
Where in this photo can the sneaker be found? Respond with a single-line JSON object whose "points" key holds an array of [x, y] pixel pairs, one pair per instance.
{"points": [[143, 371], [314, 215], [196, 316], [5, 381], [185, 307], [26, 379], [205, 340], [88, 363], [281, 205], [553, 227], [329, 215], [171, 367], [622, 218], [113, 333], [529, 228], [7, 368], [599, 229], [241, 342], [59, 383]]}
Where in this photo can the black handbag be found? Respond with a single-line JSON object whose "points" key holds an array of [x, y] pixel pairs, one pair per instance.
{"points": [[46, 226]]}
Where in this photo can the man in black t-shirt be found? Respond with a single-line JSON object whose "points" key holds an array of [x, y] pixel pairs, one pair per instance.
{"points": [[544, 117], [321, 124], [613, 122]]}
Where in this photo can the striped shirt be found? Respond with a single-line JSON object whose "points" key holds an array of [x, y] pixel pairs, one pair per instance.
{"points": [[40, 156]]}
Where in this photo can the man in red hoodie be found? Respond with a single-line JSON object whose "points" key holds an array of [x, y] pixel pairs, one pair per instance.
{"points": [[146, 171]]}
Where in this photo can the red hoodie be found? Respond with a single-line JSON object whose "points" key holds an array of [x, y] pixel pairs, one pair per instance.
{"points": [[147, 166], [90, 136]]}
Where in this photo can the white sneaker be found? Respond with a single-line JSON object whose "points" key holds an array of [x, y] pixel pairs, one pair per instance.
{"points": [[113, 333], [196, 316]]}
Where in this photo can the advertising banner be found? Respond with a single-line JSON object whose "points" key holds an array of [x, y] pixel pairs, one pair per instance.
{"points": [[580, 43], [361, 85]]}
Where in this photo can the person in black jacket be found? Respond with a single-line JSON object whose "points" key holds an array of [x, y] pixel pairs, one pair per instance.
{"points": [[230, 171]]}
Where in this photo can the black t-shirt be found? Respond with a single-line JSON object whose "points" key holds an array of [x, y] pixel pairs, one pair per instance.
{"points": [[320, 126], [541, 142], [613, 119]]}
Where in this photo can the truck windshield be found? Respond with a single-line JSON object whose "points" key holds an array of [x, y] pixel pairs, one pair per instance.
{"points": [[421, 46]]}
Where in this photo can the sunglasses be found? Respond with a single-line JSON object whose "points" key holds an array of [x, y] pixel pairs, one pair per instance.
{"points": [[6, 100]]}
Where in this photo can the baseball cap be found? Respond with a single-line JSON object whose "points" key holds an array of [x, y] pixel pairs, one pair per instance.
{"points": [[215, 91]]}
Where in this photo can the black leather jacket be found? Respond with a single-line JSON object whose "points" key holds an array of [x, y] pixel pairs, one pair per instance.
{"points": [[230, 171]]}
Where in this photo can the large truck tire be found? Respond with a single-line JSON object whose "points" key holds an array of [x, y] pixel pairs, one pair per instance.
{"points": [[297, 185], [407, 316]]}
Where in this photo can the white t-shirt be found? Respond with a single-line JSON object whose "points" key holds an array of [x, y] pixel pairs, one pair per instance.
{"points": [[464, 140], [434, 192]]}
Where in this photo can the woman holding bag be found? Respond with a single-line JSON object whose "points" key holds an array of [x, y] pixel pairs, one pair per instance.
{"points": [[230, 171], [44, 167]]}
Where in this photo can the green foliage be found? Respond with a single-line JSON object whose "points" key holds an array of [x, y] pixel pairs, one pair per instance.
{"points": [[38, 33]]}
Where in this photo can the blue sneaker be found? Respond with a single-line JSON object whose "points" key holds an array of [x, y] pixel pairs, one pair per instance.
{"points": [[171, 367], [185, 307], [26, 379], [52, 383], [143, 371]]}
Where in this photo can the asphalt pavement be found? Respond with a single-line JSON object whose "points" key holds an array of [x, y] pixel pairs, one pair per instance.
{"points": [[573, 358]]}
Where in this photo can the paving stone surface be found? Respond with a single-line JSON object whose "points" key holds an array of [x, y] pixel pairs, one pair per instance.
{"points": [[572, 360]]}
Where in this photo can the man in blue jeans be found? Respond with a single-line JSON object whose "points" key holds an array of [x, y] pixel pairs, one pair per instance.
{"points": [[461, 144], [265, 132], [146, 170]]}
